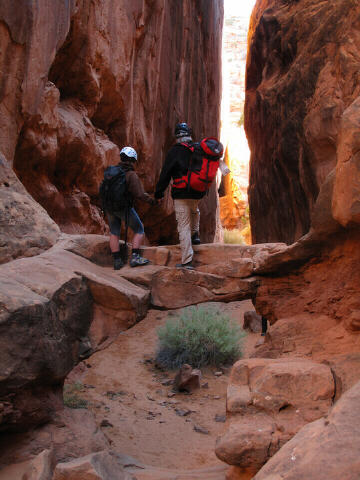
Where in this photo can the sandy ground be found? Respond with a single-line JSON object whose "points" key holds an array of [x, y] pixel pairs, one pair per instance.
{"points": [[136, 408]]}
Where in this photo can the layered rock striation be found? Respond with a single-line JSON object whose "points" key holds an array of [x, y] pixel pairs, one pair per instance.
{"points": [[84, 78]]}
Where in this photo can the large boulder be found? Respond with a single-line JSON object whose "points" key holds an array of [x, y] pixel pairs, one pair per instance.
{"points": [[39, 340], [25, 227], [268, 401], [47, 310], [327, 449], [39, 468], [72, 433]]}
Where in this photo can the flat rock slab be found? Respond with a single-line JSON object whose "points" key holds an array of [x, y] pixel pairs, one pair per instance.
{"points": [[97, 466], [47, 272], [109, 465], [176, 288], [141, 276], [238, 259], [146, 472]]}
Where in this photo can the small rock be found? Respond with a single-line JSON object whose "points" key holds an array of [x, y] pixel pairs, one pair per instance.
{"points": [[154, 414], [150, 398], [167, 382], [218, 374], [205, 385], [182, 413], [105, 423], [171, 394], [216, 397], [261, 341], [252, 322], [187, 379], [202, 430], [220, 418]]}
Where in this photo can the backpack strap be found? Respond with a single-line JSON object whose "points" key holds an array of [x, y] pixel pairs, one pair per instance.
{"points": [[190, 147], [125, 253]]}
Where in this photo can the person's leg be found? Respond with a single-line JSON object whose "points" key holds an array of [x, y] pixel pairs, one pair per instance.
{"points": [[183, 219], [115, 228], [138, 228], [137, 241], [195, 221], [114, 243], [263, 326]]}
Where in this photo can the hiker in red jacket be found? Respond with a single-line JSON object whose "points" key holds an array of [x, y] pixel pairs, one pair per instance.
{"points": [[185, 201]]}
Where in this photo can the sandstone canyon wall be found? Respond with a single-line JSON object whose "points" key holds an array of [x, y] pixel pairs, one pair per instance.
{"points": [[302, 96], [302, 121], [82, 78], [79, 79]]}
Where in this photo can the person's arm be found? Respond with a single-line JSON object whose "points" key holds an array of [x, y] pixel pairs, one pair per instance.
{"points": [[165, 175], [136, 189]]}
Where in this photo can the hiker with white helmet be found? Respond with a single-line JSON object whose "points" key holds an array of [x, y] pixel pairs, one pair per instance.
{"points": [[120, 187]]}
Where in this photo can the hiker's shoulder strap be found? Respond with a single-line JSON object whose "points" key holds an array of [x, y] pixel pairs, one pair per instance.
{"points": [[189, 146]]}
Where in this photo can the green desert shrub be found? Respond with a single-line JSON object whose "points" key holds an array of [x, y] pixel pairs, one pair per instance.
{"points": [[199, 336], [233, 236], [71, 396]]}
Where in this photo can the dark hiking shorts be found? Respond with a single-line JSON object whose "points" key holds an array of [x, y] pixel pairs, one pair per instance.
{"points": [[116, 218]]}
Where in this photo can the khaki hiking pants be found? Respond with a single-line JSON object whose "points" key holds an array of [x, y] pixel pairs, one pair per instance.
{"points": [[188, 221]]}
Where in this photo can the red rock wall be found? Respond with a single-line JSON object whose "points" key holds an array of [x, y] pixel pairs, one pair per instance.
{"points": [[303, 76], [84, 77]]}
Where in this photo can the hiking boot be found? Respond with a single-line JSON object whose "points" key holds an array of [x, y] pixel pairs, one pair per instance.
{"points": [[118, 263], [195, 239], [137, 260], [188, 266]]}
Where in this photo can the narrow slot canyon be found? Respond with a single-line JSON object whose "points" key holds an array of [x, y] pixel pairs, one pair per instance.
{"points": [[88, 386]]}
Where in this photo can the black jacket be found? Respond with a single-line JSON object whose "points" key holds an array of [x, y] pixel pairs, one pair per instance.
{"points": [[176, 165]]}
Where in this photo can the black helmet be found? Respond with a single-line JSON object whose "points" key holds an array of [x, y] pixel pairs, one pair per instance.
{"points": [[182, 130]]}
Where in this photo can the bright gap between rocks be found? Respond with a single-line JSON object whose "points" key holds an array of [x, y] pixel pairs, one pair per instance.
{"points": [[234, 210]]}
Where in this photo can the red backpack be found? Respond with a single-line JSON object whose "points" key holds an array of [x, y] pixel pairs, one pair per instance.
{"points": [[204, 162]]}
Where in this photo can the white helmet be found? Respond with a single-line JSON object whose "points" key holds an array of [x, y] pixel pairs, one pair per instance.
{"points": [[129, 152]]}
